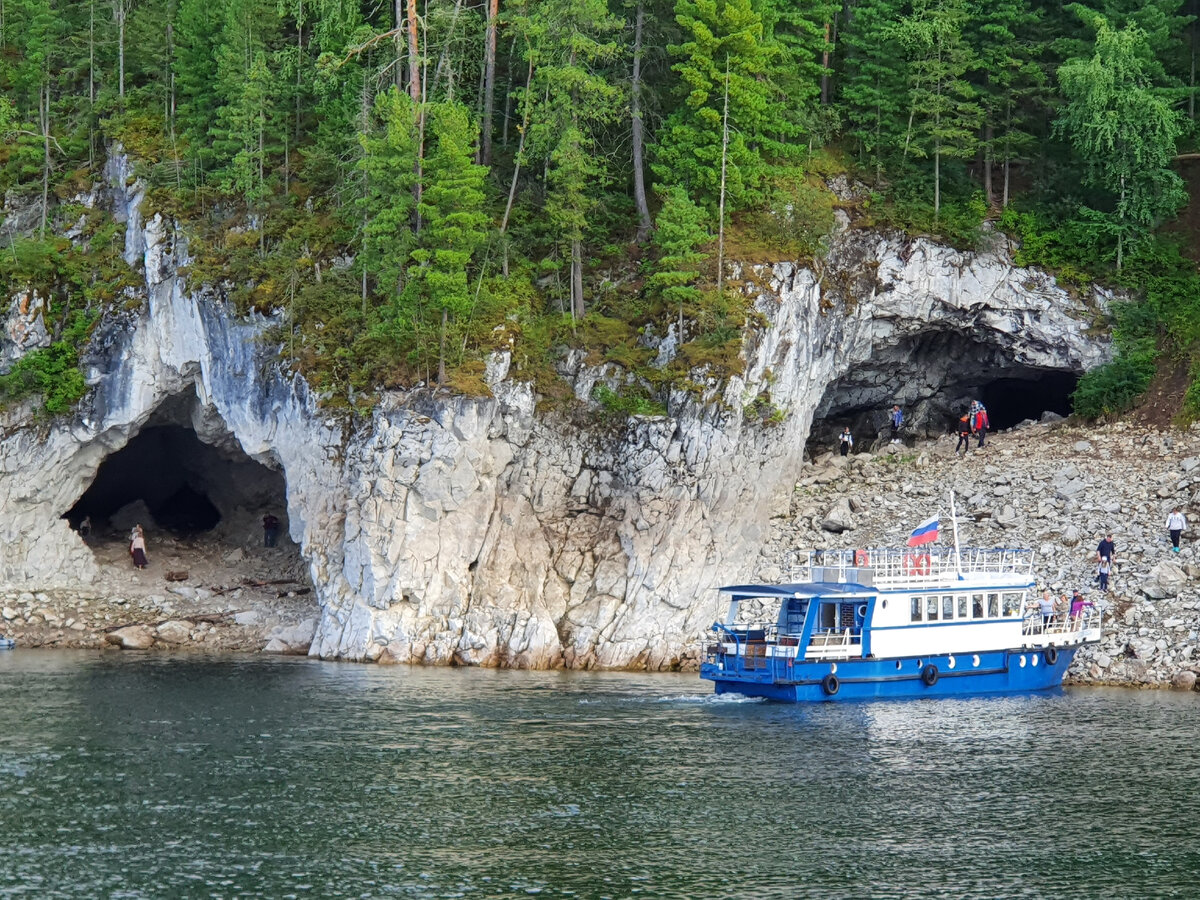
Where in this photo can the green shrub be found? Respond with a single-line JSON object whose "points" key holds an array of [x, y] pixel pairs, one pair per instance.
{"points": [[1115, 387], [629, 401]]}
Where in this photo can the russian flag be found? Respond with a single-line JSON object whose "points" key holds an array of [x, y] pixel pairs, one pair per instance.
{"points": [[924, 533]]}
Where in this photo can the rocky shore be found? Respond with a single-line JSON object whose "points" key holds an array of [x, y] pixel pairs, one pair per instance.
{"points": [[232, 599], [1050, 486]]}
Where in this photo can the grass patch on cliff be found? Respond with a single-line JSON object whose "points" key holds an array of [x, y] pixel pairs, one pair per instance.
{"points": [[51, 373]]}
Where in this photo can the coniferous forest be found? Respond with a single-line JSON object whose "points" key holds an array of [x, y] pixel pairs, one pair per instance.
{"points": [[410, 184]]}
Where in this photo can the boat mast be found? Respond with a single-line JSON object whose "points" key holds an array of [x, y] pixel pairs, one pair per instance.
{"points": [[954, 525]]}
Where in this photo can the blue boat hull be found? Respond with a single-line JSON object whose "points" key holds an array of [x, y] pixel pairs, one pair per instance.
{"points": [[994, 672]]}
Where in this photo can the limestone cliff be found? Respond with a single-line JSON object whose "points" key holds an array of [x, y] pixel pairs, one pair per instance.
{"points": [[477, 531]]}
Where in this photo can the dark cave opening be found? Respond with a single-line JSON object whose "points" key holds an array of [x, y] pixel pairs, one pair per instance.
{"points": [[168, 477], [1010, 401]]}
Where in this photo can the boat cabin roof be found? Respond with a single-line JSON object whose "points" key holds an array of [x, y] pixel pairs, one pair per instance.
{"points": [[799, 589]]}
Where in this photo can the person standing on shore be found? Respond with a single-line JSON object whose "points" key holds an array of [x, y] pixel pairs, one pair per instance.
{"points": [[846, 441], [1176, 523], [897, 420], [137, 547], [270, 530]]}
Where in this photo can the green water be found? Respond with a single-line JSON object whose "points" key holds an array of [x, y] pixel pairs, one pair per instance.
{"points": [[126, 775]]}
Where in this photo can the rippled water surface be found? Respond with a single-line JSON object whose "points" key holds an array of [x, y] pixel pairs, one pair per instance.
{"points": [[125, 775]]}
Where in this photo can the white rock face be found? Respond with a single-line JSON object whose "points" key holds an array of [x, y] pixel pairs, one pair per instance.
{"points": [[473, 530]]}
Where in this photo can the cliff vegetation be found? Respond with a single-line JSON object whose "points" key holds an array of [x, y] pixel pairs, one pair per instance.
{"points": [[410, 185]]}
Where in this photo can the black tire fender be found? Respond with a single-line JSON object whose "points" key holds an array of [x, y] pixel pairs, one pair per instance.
{"points": [[930, 675], [830, 684], [1051, 655]]}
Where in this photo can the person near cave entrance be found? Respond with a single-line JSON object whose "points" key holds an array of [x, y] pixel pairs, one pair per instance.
{"points": [[845, 440], [897, 421], [137, 547], [964, 435], [270, 530], [979, 420]]}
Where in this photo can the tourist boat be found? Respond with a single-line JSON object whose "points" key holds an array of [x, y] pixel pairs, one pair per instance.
{"points": [[7, 643], [922, 621]]}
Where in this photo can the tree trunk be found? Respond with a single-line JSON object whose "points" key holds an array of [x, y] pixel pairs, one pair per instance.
{"points": [[937, 183], [442, 347], [512, 188], [414, 57], [635, 106], [724, 169], [120, 10], [1004, 202], [44, 116], [987, 163], [825, 64], [398, 16], [489, 84], [577, 308]]}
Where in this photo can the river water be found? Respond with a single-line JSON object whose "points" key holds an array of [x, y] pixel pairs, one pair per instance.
{"points": [[127, 775]]}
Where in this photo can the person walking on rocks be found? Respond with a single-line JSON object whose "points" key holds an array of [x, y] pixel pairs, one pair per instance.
{"points": [[964, 435], [897, 420], [1106, 549], [270, 530], [1105, 568], [846, 441], [979, 421], [137, 547], [1176, 523]]}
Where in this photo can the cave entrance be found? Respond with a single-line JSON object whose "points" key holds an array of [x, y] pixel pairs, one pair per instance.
{"points": [[168, 480], [1010, 401]]}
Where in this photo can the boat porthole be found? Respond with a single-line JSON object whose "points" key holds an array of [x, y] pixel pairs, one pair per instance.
{"points": [[1022, 660], [833, 669], [919, 663], [862, 611], [975, 660], [897, 665], [950, 663], [884, 604], [1033, 659]]}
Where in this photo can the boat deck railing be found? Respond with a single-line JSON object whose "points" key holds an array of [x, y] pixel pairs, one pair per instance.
{"points": [[908, 567], [1085, 623]]}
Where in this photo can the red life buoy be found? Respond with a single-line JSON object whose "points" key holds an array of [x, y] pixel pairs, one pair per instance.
{"points": [[861, 558], [917, 564]]}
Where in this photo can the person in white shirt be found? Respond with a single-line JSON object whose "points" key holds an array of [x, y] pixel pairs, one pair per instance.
{"points": [[1175, 525]]}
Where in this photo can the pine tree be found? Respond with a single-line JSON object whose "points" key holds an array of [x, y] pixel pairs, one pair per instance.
{"points": [[873, 95], [678, 235], [454, 223], [944, 116], [724, 50], [385, 174]]}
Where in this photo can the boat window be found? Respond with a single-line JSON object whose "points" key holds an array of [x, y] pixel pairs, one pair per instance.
{"points": [[962, 606], [947, 607], [977, 606], [1012, 603], [916, 609], [994, 605], [931, 607]]}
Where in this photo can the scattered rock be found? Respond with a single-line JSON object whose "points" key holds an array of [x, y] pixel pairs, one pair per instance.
{"points": [[175, 631], [1184, 680], [131, 637]]}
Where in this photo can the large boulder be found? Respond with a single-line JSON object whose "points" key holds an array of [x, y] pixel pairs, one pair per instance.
{"points": [[1165, 580], [132, 637], [839, 518]]}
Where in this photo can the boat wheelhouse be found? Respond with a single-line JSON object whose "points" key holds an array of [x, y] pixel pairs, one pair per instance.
{"points": [[917, 622]]}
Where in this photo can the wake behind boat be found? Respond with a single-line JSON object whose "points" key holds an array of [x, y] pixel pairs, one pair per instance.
{"points": [[915, 622]]}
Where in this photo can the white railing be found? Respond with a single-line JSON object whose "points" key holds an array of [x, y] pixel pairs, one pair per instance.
{"points": [[833, 645], [1086, 624], [891, 567]]}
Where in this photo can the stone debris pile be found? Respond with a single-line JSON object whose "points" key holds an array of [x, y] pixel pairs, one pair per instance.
{"points": [[1053, 487]]}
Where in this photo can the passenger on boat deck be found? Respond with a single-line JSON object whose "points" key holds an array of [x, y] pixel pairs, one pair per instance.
{"points": [[1078, 604], [1046, 604]]}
